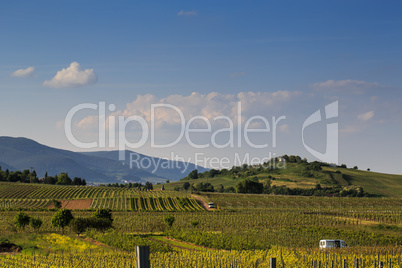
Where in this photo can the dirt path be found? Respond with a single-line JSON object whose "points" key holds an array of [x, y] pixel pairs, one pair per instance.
{"points": [[75, 204], [203, 202]]}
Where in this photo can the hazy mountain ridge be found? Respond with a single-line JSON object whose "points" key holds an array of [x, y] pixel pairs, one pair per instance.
{"points": [[23, 153], [177, 170]]}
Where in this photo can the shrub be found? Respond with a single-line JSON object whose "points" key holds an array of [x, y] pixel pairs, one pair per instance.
{"points": [[79, 225], [103, 213], [35, 223], [62, 218], [100, 224], [21, 220]]}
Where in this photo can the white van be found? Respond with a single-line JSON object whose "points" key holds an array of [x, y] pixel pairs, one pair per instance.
{"points": [[332, 243]]}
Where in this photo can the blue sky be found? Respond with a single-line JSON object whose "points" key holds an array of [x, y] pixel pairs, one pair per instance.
{"points": [[283, 58]]}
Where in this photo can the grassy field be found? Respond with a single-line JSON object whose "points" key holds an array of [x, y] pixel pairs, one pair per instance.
{"points": [[246, 230], [373, 182], [387, 185]]}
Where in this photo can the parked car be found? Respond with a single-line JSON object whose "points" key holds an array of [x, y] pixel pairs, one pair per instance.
{"points": [[332, 243], [211, 205]]}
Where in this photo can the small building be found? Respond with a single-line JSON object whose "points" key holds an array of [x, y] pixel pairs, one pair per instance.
{"points": [[281, 159]]}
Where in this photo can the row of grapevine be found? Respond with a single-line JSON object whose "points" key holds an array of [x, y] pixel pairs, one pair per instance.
{"points": [[36, 191], [148, 204], [24, 203]]}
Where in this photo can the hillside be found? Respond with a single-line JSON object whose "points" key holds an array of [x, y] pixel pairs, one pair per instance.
{"points": [[103, 167], [374, 182], [301, 175]]}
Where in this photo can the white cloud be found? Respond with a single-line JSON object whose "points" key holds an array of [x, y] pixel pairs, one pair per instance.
{"points": [[186, 13], [351, 86], [88, 122], [365, 116], [237, 74], [72, 76], [209, 106], [28, 72]]}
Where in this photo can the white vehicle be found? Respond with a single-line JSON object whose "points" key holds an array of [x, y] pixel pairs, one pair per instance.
{"points": [[211, 205], [332, 243]]}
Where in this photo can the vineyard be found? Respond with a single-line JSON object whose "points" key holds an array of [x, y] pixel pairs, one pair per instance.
{"points": [[366, 257], [40, 196], [245, 231]]}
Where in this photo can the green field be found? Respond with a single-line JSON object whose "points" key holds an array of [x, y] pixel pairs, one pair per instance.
{"points": [[245, 231], [373, 182]]}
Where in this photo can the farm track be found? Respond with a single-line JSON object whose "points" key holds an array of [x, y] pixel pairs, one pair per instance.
{"points": [[203, 202], [75, 204]]}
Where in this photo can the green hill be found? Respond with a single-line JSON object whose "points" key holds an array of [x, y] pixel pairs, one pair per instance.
{"points": [[298, 173], [374, 182]]}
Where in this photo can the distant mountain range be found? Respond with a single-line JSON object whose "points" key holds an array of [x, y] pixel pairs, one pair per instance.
{"points": [[95, 167]]}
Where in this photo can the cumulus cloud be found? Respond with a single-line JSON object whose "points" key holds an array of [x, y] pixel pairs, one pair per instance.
{"points": [[365, 116], [186, 13], [208, 106], [351, 86], [72, 76], [28, 72]]}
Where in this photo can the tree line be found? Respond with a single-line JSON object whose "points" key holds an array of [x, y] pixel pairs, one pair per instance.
{"points": [[28, 176]]}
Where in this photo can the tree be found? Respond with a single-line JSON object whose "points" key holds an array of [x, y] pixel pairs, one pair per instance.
{"points": [[169, 220], [62, 218], [221, 189], [35, 223], [77, 181], [248, 186], [21, 220], [204, 187], [79, 225], [315, 166], [50, 180], [355, 167], [100, 224], [368, 169], [148, 186], [186, 185], [63, 179], [103, 213], [193, 175]]}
